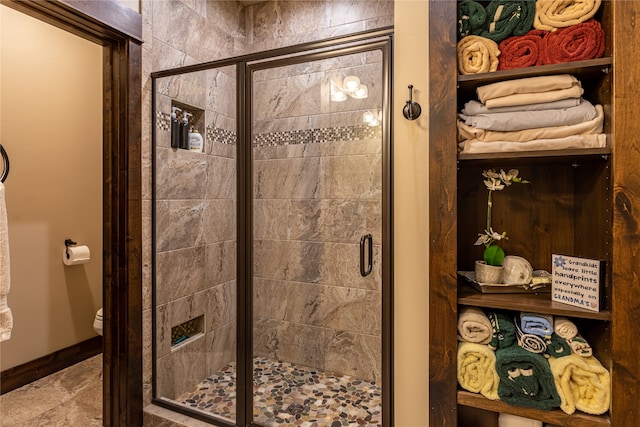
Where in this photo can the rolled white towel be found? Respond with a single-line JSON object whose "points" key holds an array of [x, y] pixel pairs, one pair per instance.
{"points": [[564, 327], [474, 326], [580, 346]]}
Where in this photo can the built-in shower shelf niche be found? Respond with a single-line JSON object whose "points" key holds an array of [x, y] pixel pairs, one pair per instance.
{"points": [[196, 116], [187, 332]]}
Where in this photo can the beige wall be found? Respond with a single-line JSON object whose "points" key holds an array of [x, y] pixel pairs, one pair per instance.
{"points": [[51, 127], [411, 216]]}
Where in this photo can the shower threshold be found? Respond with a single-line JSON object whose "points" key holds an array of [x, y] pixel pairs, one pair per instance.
{"points": [[294, 395]]}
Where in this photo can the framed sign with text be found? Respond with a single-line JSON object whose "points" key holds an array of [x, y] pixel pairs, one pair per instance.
{"points": [[577, 281]]}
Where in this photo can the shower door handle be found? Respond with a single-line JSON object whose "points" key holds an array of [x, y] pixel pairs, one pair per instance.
{"points": [[366, 240]]}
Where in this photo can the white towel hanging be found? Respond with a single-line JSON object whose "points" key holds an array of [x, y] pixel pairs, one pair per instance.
{"points": [[6, 318]]}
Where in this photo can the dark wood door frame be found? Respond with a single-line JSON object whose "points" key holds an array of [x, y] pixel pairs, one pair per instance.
{"points": [[119, 30]]}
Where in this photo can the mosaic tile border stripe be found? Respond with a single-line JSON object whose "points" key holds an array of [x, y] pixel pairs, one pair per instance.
{"points": [[221, 136], [315, 136], [289, 137], [163, 120]]}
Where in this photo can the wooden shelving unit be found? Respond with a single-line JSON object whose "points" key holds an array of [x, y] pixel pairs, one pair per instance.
{"points": [[538, 303], [555, 417], [580, 203]]}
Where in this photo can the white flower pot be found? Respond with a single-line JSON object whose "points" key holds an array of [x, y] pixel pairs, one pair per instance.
{"points": [[491, 274]]}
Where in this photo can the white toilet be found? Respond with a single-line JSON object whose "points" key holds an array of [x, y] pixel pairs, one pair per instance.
{"points": [[97, 322]]}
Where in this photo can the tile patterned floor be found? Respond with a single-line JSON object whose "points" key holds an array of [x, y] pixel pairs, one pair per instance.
{"points": [[70, 397], [290, 395]]}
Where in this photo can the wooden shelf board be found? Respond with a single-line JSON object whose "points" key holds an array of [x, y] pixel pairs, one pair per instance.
{"points": [[577, 67], [539, 303], [556, 417], [568, 155]]}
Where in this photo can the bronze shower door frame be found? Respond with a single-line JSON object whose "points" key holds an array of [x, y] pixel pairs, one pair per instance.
{"points": [[378, 40]]}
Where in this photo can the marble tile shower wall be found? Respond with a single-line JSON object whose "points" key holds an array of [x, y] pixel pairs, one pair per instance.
{"points": [[299, 96], [317, 190], [311, 306], [196, 232], [185, 32], [287, 22]]}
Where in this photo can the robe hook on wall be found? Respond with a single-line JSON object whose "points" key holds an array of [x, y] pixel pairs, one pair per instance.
{"points": [[412, 109]]}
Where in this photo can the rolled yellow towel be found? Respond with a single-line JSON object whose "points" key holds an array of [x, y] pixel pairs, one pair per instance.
{"points": [[477, 55], [582, 383], [553, 14], [477, 369]]}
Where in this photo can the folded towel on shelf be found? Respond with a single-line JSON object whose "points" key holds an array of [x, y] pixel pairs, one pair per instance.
{"points": [[533, 98], [471, 17], [473, 107], [582, 383], [564, 327], [553, 14], [528, 85], [576, 43], [589, 127], [508, 18], [477, 55], [520, 120], [525, 379], [6, 317], [521, 51], [474, 326], [504, 331], [474, 146], [537, 324], [557, 346], [477, 369], [580, 346]]}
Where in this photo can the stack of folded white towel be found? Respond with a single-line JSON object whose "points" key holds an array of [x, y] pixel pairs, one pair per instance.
{"points": [[534, 113]]}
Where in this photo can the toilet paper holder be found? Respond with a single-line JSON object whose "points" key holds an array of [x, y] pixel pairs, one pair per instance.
{"points": [[67, 243]]}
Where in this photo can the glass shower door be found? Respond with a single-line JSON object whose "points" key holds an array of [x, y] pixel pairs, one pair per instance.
{"points": [[317, 161], [195, 238]]}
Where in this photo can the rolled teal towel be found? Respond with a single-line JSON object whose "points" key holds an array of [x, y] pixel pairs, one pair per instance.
{"points": [[537, 324], [507, 18], [504, 330], [558, 346], [471, 17], [525, 379]]}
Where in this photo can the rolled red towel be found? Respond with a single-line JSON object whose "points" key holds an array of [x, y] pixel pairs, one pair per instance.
{"points": [[575, 43], [521, 51]]}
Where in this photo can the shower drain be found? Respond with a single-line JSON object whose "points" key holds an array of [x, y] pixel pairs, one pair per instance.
{"points": [[295, 408]]}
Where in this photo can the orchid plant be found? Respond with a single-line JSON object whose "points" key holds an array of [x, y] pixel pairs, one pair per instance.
{"points": [[495, 181]]}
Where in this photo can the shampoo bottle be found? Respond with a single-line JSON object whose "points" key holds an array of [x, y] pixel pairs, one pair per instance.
{"points": [[175, 128], [184, 131], [196, 143]]}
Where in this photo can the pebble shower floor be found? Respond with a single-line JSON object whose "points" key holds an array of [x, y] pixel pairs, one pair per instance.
{"points": [[290, 395]]}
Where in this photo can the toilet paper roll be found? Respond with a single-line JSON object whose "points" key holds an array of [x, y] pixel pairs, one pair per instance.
{"points": [[77, 255], [508, 420]]}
